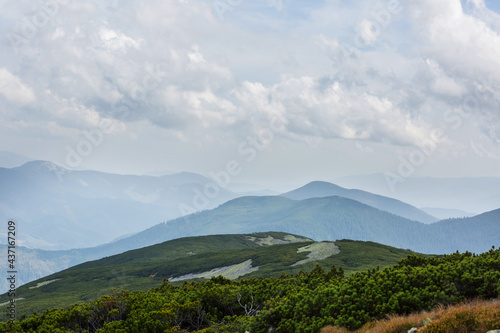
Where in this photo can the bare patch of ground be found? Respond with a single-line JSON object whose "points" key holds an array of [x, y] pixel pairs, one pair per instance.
{"points": [[318, 251], [270, 240], [229, 272], [41, 284]]}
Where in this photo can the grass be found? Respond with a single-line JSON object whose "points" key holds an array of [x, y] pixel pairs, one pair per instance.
{"points": [[476, 316], [143, 269]]}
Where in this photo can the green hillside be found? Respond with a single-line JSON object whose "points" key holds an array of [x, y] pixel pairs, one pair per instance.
{"points": [[271, 252], [298, 303]]}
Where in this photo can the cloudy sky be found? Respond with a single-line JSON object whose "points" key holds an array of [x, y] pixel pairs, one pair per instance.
{"points": [[289, 90]]}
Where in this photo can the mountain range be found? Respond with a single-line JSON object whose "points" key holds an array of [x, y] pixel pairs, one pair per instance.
{"points": [[253, 255], [332, 218], [323, 189], [59, 209], [320, 219], [87, 215]]}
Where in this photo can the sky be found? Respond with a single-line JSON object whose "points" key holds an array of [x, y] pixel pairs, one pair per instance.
{"points": [[267, 91]]}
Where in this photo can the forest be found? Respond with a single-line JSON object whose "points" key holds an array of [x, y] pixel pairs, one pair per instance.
{"points": [[303, 302]]}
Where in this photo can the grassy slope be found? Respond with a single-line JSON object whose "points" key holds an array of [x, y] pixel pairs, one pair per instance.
{"points": [[132, 270]]}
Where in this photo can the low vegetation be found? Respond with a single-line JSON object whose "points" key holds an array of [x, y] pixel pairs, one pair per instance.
{"points": [[476, 316], [143, 269], [302, 302]]}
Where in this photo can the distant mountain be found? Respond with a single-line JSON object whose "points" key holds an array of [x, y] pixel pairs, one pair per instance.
{"points": [[328, 218], [324, 189], [249, 256], [476, 233], [476, 195], [443, 213], [61, 209]]}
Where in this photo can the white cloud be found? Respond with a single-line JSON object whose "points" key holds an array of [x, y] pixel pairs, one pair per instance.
{"points": [[196, 56], [180, 70], [368, 32], [117, 41], [14, 90], [479, 4]]}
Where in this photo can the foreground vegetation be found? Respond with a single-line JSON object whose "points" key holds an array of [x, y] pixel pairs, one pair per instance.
{"points": [[305, 302], [478, 316]]}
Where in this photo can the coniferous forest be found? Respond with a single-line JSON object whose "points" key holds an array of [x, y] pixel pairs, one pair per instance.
{"points": [[304, 302]]}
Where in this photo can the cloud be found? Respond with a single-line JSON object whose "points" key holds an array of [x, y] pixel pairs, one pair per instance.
{"points": [[14, 90], [479, 4], [116, 41], [367, 32], [180, 70]]}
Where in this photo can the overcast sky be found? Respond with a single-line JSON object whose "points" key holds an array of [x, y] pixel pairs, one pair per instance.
{"points": [[289, 90]]}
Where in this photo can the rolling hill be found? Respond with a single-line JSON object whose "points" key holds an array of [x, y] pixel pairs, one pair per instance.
{"points": [[248, 255], [324, 189]]}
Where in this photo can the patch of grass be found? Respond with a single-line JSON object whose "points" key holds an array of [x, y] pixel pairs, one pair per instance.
{"points": [[478, 316]]}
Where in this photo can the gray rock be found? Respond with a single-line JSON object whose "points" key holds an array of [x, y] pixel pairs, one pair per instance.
{"points": [[414, 329], [426, 321]]}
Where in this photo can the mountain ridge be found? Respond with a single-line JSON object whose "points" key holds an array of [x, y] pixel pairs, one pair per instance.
{"points": [[391, 205], [328, 218], [269, 254]]}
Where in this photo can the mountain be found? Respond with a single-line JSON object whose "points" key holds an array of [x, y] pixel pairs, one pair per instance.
{"points": [[324, 189], [474, 195], [477, 232], [58, 208], [328, 218], [444, 213], [254, 255]]}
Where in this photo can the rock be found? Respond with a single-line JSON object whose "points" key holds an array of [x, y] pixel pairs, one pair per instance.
{"points": [[426, 321], [494, 331], [414, 329]]}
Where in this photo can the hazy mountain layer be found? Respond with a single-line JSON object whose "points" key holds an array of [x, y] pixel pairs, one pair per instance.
{"points": [[324, 189], [476, 195], [61, 209]]}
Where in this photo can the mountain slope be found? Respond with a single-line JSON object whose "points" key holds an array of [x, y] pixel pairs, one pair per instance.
{"points": [[328, 218], [475, 195], [476, 233], [443, 213], [266, 254], [324, 189]]}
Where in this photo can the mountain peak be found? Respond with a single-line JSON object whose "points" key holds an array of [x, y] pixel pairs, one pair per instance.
{"points": [[319, 189], [321, 184], [39, 165], [315, 189]]}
